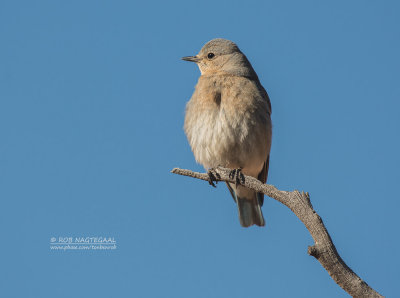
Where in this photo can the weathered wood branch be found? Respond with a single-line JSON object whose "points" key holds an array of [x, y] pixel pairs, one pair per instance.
{"points": [[323, 249]]}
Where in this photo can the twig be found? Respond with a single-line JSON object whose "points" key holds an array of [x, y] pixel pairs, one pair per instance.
{"points": [[323, 249]]}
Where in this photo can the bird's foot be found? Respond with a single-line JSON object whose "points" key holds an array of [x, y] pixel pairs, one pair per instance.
{"points": [[237, 175], [212, 176]]}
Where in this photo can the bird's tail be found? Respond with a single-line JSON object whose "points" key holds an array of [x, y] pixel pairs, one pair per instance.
{"points": [[250, 213], [249, 206]]}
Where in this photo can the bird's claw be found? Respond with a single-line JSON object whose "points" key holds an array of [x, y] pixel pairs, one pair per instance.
{"points": [[237, 175], [212, 176]]}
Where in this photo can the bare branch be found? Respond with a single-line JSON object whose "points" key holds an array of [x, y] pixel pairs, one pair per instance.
{"points": [[323, 249]]}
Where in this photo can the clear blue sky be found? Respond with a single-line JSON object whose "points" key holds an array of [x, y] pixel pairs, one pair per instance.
{"points": [[92, 99]]}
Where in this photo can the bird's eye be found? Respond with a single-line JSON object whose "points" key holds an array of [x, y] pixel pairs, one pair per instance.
{"points": [[210, 55]]}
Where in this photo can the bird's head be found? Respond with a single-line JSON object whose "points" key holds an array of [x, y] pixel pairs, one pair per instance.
{"points": [[220, 56]]}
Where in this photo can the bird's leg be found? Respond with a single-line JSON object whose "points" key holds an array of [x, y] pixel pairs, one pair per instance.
{"points": [[237, 175], [212, 176]]}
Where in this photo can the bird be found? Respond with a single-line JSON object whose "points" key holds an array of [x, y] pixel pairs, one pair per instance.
{"points": [[228, 122]]}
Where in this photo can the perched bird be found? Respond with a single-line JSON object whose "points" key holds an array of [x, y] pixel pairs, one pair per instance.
{"points": [[228, 122]]}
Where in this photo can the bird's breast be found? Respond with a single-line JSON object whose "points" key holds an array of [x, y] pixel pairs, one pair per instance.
{"points": [[222, 127]]}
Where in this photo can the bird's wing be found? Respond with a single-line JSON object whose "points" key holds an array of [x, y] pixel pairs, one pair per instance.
{"points": [[264, 172], [267, 99], [263, 178]]}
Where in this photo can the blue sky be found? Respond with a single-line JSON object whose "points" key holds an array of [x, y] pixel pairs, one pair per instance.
{"points": [[92, 99]]}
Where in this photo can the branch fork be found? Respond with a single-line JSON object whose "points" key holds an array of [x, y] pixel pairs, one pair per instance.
{"points": [[323, 249]]}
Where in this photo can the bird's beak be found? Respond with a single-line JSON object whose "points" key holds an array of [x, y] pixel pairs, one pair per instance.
{"points": [[191, 58]]}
